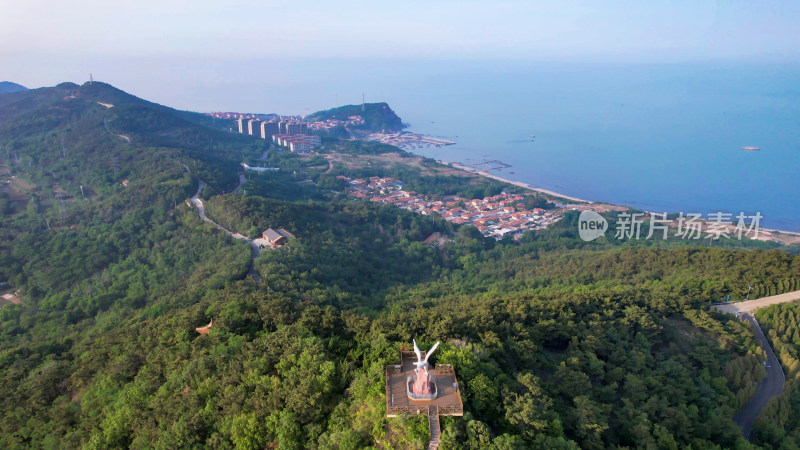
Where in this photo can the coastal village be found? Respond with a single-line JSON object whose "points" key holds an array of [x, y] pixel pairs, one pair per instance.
{"points": [[496, 216]]}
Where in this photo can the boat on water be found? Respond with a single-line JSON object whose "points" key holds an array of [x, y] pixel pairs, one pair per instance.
{"points": [[752, 149]]}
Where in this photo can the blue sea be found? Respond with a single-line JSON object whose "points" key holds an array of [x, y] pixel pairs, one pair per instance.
{"points": [[659, 137]]}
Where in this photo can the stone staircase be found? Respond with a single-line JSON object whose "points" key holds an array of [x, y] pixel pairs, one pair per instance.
{"points": [[433, 425]]}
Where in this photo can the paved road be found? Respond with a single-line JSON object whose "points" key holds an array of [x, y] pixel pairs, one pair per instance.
{"points": [[770, 386], [201, 211], [752, 305]]}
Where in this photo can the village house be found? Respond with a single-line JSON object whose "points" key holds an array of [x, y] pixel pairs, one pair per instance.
{"points": [[495, 216], [277, 237]]}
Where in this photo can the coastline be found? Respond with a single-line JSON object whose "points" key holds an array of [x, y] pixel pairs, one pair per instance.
{"points": [[770, 233], [515, 183]]}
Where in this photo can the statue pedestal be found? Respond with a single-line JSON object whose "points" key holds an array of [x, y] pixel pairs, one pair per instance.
{"points": [[444, 398], [421, 386]]}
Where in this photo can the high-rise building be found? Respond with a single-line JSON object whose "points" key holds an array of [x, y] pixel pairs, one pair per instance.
{"points": [[268, 129], [297, 128], [253, 127]]}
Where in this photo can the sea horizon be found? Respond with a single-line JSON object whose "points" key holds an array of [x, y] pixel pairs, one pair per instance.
{"points": [[663, 142]]}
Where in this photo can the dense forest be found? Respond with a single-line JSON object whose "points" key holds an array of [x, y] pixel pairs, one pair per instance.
{"points": [[556, 342]]}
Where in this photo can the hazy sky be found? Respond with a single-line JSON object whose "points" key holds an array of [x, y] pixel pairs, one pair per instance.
{"points": [[45, 42]]}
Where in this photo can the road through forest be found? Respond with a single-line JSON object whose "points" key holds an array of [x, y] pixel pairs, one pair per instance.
{"points": [[772, 384], [201, 211]]}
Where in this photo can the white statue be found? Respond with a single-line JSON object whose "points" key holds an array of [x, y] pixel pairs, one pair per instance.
{"points": [[423, 364]]}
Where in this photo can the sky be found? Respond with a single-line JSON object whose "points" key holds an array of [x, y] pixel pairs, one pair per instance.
{"points": [[207, 43]]}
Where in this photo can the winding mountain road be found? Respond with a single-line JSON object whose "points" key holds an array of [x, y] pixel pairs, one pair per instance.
{"points": [[201, 211], [769, 387], [773, 383]]}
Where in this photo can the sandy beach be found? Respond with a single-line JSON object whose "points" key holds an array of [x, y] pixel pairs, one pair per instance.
{"points": [[515, 183]]}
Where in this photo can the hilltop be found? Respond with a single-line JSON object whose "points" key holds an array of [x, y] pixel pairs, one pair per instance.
{"points": [[8, 87], [377, 116], [84, 116]]}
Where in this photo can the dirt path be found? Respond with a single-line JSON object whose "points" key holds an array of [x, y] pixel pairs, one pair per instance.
{"points": [[121, 136]]}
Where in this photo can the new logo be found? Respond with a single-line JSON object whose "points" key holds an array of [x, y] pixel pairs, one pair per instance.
{"points": [[591, 225]]}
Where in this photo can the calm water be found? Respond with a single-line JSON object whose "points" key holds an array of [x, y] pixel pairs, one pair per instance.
{"points": [[656, 137]]}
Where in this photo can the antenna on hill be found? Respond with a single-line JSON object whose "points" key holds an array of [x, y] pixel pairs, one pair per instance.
{"points": [[91, 79], [363, 104]]}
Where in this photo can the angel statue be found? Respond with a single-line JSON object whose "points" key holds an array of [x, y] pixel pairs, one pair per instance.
{"points": [[422, 384]]}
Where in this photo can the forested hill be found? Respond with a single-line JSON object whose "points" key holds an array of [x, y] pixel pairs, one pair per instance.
{"points": [[377, 116], [89, 122], [8, 86], [556, 342]]}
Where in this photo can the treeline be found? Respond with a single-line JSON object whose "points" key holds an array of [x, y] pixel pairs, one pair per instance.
{"points": [[776, 287]]}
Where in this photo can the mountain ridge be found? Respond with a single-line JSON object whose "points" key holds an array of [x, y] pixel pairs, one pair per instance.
{"points": [[7, 87]]}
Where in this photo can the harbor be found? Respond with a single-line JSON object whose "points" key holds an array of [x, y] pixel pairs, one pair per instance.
{"points": [[407, 140]]}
